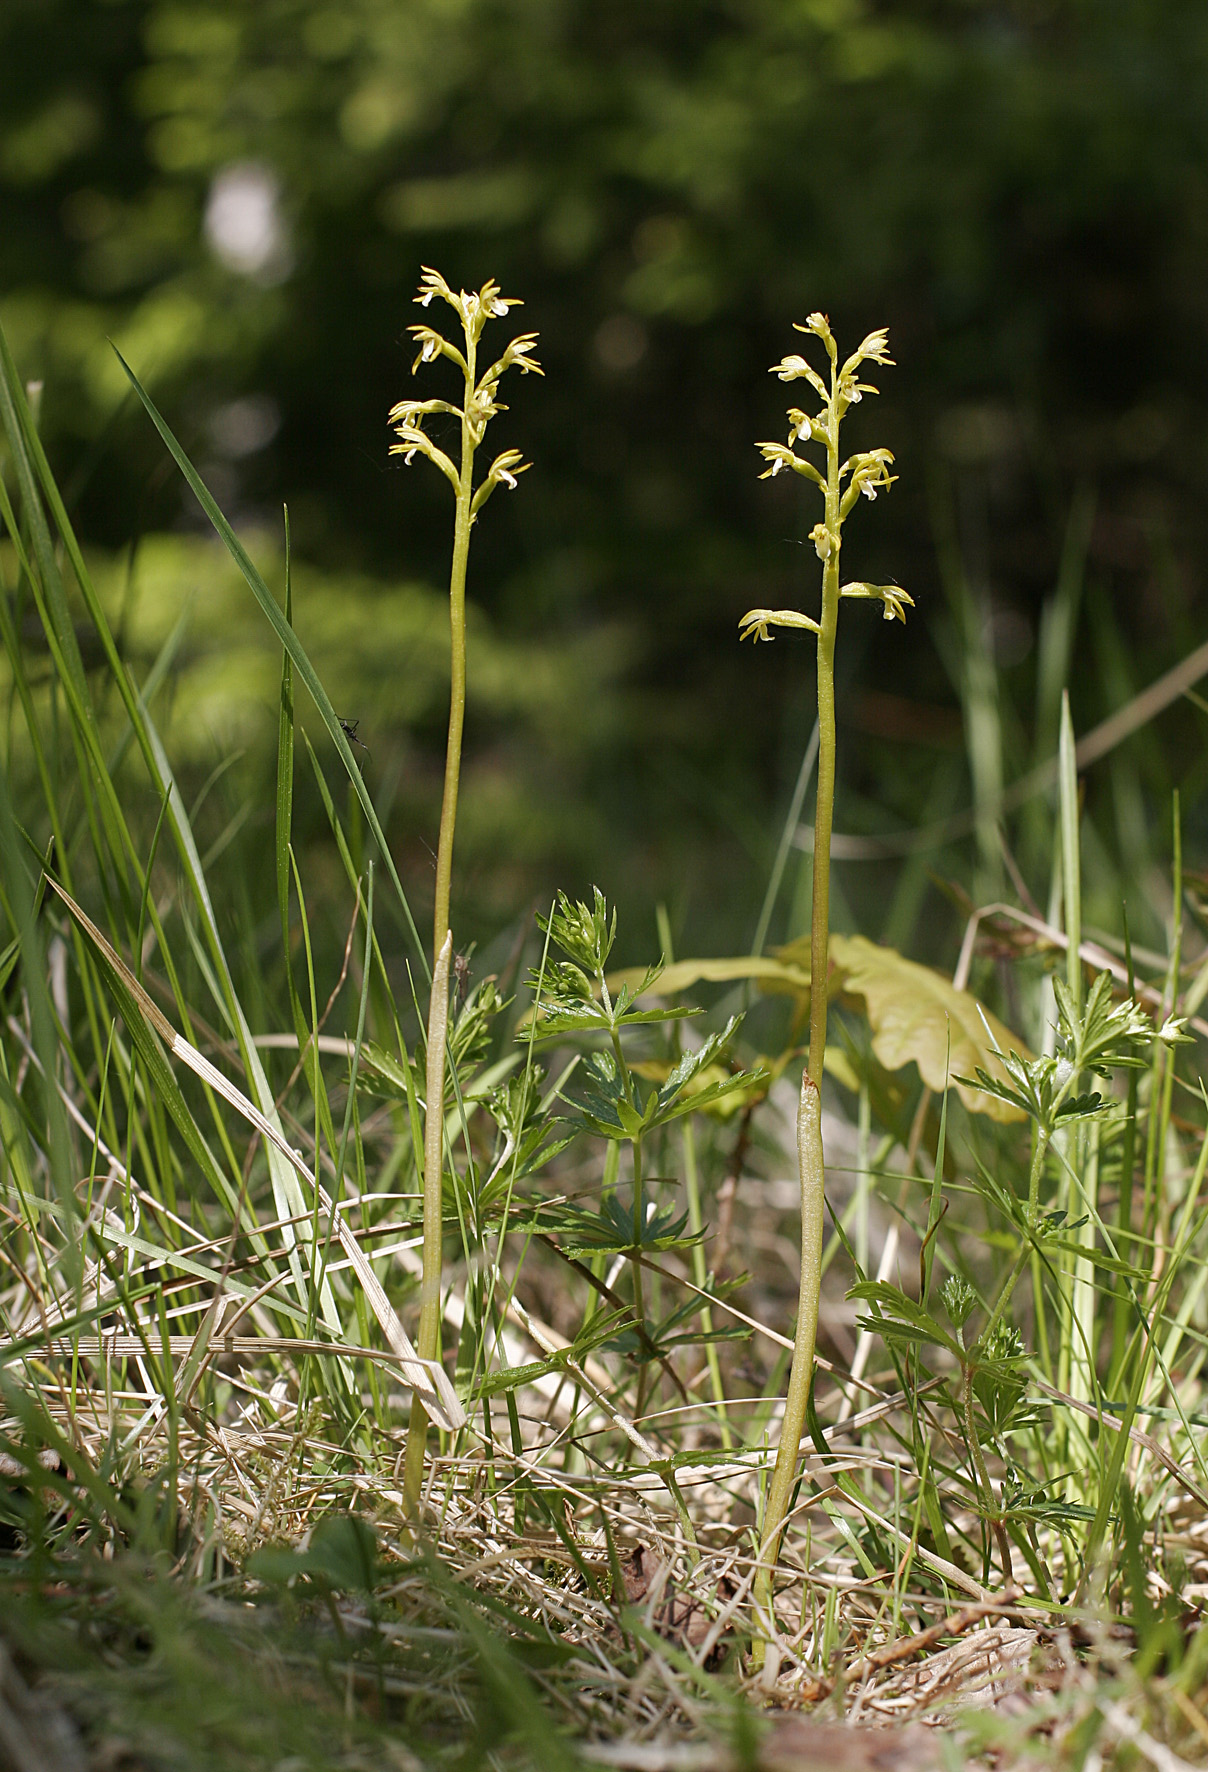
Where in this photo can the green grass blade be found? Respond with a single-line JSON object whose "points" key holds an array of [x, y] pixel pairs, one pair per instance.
{"points": [[789, 831], [285, 760], [306, 671]]}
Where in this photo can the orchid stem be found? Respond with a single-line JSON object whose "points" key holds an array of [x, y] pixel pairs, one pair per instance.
{"points": [[865, 473]]}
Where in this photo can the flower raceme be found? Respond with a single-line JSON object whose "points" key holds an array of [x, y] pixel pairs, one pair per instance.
{"points": [[480, 402], [841, 484]]}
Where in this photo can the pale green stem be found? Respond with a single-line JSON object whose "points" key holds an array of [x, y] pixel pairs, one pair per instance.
{"points": [[1072, 1374], [639, 1301], [824, 813], [809, 1114], [639, 1220], [457, 656], [1084, 1297], [796, 1403], [428, 1343], [442, 947], [1040, 1151]]}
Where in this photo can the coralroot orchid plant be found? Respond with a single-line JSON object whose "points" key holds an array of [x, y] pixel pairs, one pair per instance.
{"points": [[841, 484], [480, 403]]}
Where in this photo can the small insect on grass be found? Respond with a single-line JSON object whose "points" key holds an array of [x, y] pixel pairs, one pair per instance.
{"points": [[349, 729], [461, 974]]}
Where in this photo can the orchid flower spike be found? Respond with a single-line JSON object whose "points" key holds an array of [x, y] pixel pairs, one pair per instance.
{"points": [[480, 402]]}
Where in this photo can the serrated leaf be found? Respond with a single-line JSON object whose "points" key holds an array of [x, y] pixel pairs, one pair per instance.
{"points": [[896, 1313], [650, 1017], [610, 1232], [382, 1068], [599, 1097], [896, 1333], [735, 1088], [715, 1090], [555, 1020], [629, 991], [1081, 1107], [689, 1066]]}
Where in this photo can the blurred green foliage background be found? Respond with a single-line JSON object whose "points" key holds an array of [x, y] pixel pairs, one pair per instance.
{"points": [[240, 194]]}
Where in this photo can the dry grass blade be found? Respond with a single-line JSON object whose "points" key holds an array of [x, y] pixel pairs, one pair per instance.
{"points": [[906, 1648], [428, 1379], [1137, 1435]]}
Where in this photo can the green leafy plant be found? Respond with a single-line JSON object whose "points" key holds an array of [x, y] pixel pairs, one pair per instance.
{"points": [[1100, 1037], [610, 1099], [841, 483]]}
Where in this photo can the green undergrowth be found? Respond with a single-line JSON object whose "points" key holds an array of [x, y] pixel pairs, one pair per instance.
{"points": [[180, 613], [219, 1070]]}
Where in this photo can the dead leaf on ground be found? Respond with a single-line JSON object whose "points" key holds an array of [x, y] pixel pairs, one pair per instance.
{"points": [[798, 1744], [679, 1617]]}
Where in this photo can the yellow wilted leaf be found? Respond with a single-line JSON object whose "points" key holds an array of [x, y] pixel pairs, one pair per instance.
{"points": [[916, 1014], [680, 976]]}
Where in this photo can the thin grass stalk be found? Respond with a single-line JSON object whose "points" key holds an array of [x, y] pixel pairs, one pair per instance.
{"points": [[1124, 1311], [972, 670], [1157, 1206], [788, 832], [700, 1275]]}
